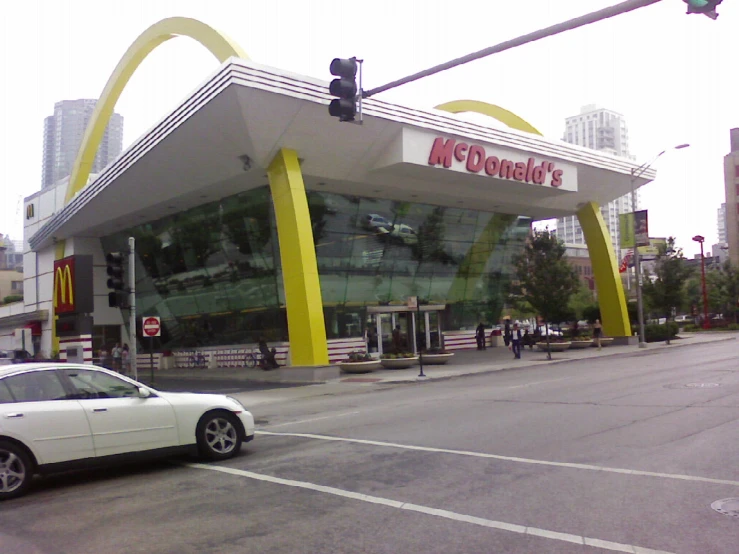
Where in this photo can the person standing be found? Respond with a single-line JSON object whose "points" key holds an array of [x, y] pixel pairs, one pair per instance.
{"points": [[516, 341], [104, 357], [125, 360], [480, 336], [597, 332], [117, 353], [507, 332]]}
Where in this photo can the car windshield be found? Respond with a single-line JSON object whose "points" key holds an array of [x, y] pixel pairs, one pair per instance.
{"points": [[98, 384]]}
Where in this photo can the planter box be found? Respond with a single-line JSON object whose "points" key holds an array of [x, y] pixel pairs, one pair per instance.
{"points": [[581, 343], [360, 367], [436, 359], [399, 363], [553, 346]]}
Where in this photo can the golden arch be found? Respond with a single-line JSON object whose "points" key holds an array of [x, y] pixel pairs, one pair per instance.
{"points": [[221, 46], [611, 298], [217, 43]]}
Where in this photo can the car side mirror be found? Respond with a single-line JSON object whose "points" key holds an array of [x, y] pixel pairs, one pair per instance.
{"points": [[144, 392]]}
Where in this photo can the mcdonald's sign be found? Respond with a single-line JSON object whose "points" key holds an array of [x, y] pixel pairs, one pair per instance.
{"points": [[73, 292]]}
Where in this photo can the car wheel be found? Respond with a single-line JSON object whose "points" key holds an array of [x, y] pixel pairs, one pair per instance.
{"points": [[218, 436], [15, 470]]}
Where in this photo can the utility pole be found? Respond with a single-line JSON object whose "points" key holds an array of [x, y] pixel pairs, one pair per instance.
{"points": [[132, 304]]}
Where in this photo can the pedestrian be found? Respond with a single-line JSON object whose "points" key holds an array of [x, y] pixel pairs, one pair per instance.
{"points": [[269, 357], [104, 362], [527, 339], [480, 336], [516, 341], [597, 332], [117, 353], [575, 330], [125, 360], [507, 332]]}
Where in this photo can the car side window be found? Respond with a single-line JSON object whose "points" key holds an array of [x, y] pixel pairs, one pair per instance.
{"points": [[97, 384], [36, 386], [5, 396]]}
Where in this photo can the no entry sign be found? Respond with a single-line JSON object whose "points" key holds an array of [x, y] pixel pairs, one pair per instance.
{"points": [[152, 326]]}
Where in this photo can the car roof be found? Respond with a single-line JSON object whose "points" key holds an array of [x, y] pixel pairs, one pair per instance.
{"points": [[19, 368]]}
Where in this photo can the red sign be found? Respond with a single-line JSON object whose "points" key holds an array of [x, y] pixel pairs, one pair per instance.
{"points": [[64, 286], [625, 262], [151, 327], [445, 151]]}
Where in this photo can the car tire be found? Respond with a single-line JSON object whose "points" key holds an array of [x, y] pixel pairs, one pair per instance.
{"points": [[218, 436], [16, 470]]}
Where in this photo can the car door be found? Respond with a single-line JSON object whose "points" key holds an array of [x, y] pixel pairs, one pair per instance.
{"points": [[120, 420], [36, 409]]}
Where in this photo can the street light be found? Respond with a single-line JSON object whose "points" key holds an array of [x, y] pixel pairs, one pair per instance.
{"points": [[706, 322], [635, 174]]}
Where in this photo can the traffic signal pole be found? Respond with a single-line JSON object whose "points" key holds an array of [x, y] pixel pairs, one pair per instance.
{"points": [[132, 305], [606, 13]]}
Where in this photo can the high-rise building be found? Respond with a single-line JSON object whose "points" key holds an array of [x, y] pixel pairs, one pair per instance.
{"points": [[721, 224], [63, 134], [731, 189], [605, 130]]}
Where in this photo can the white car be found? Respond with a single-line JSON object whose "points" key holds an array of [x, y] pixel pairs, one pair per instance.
{"points": [[373, 222], [59, 416]]}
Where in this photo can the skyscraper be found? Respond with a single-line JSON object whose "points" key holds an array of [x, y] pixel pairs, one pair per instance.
{"points": [[605, 130], [63, 134], [731, 184], [723, 236]]}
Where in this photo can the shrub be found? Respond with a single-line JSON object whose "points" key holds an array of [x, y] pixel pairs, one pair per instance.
{"points": [[399, 355], [357, 356], [657, 333]]}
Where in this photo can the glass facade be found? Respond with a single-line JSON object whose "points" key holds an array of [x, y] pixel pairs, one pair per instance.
{"points": [[213, 273]]}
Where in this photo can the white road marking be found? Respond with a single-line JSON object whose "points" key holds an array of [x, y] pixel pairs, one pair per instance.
{"points": [[312, 419], [454, 516], [511, 458]]}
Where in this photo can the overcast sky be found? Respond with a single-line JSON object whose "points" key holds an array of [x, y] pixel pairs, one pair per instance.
{"points": [[673, 76]]}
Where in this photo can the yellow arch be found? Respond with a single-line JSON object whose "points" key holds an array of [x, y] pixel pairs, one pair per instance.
{"points": [[496, 112], [611, 297], [217, 43]]}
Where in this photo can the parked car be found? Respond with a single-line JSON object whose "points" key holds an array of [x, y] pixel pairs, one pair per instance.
{"points": [[684, 319], [373, 222], [59, 416], [14, 356]]}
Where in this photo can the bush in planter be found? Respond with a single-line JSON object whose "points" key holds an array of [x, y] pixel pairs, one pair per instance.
{"points": [[657, 333], [397, 356], [436, 351], [357, 356]]}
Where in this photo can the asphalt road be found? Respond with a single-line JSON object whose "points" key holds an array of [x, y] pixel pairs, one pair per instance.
{"points": [[215, 385], [609, 455]]}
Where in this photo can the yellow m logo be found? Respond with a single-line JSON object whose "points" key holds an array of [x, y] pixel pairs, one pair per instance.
{"points": [[63, 288]]}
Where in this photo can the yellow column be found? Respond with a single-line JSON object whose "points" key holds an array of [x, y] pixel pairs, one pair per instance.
{"points": [[605, 269], [298, 255]]}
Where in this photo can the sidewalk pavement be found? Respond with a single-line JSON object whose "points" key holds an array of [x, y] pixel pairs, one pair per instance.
{"points": [[465, 362]]}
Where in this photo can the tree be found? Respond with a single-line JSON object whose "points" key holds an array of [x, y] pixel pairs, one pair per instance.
{"points": [[581, 301], [547, 280], [665, 289]]}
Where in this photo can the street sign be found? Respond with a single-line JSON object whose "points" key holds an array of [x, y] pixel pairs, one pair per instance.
{"points": [[152, 326]]}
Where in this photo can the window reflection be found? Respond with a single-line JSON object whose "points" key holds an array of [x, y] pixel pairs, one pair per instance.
{"points": [[213, 273]]}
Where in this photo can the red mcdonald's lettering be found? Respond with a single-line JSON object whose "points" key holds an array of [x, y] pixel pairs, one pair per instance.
{"points": [[557, 178], [492, 165], [506, 169], [530, 170], [475, 159], [459, 151], [441, 152]]}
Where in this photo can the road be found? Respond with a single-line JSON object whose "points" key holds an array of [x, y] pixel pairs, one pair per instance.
{"points": [[619, 454]]}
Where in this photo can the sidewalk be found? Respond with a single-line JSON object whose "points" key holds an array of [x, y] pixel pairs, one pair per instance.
{"points": [[466, 362]]}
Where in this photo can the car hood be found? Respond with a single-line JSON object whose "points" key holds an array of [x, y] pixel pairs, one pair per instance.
{"points": [[204, 399]]}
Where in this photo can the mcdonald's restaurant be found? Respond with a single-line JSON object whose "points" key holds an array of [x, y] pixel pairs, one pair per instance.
{"points": [[256, 214]]}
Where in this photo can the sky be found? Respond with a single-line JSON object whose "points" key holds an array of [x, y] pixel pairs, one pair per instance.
{"points": [[673, 76]]}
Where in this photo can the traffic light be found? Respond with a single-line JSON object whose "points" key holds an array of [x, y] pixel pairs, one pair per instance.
{"points": [[114, 263], [705, 7], [345, 88]]}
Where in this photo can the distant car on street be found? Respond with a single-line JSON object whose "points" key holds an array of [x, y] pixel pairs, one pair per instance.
{"points": [[60, 416], [373, 222]]}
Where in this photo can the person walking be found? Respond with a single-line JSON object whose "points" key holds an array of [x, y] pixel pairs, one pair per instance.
{"points": [[507, 332], [597, 332], [516, 341], [480, 336]]}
